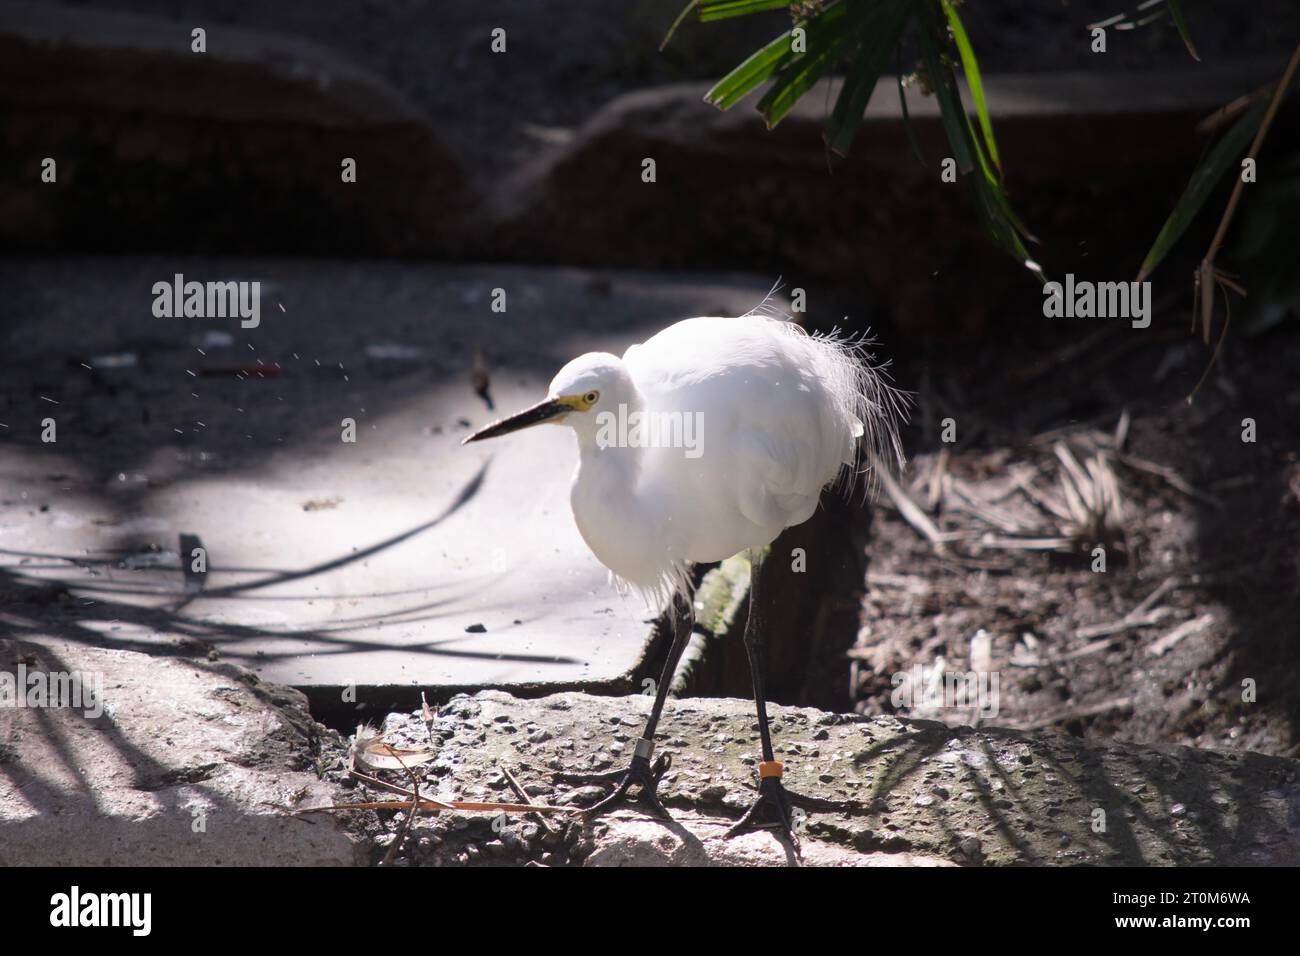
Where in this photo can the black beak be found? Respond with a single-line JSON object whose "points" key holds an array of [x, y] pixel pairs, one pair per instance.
{"points": [[544, 411]]}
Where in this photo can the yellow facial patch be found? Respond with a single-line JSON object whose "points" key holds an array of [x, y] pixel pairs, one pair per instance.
{"points": [[580, 403]]}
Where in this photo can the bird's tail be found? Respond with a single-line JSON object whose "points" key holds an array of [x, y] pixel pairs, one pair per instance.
{"points": [[867, 395], [866, 402]]}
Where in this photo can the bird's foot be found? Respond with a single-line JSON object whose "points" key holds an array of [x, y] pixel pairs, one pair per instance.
{"points": [[776, 808], [642, 774]]}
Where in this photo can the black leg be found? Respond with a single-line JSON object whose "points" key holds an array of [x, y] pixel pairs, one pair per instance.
{"points": [[774, 806], [642, 773], [754, 648]]}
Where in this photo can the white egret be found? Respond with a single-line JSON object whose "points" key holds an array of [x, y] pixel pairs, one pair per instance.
{"points": [[708, 439]]}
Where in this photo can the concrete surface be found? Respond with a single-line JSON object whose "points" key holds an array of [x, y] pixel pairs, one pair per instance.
{"points": [[403, 560], [184, 764]]}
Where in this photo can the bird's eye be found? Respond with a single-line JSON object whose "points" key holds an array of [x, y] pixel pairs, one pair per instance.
{"points": [[591, 397]]}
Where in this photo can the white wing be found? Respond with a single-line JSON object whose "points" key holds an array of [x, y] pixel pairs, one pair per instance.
{"points": [[778, 410]]}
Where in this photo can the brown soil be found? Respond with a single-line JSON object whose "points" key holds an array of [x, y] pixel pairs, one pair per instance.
{"points": [[1219, 557]]}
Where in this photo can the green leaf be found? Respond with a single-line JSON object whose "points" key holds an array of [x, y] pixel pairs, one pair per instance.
{"points": [[1176, 11], [1000, 220], [880, 30], [870, 29], [951, 110], [737, 84], [993, 184], [1002, 232], [907, 120], [1211, 169], [723, 9], [826, 40], [970, 66], [686, 10]]}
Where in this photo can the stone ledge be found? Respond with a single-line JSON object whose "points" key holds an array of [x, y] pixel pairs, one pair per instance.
{"points": [[933, 794]]}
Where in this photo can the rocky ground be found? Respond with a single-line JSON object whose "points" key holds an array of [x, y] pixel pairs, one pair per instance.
{"points": [[927, 794], [190, 761]]}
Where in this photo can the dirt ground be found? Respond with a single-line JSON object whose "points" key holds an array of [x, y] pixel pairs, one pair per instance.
{"points": [[1200, 589]]}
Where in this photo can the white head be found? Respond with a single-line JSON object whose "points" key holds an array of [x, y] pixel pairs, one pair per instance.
{"points": [[590, 384]]}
